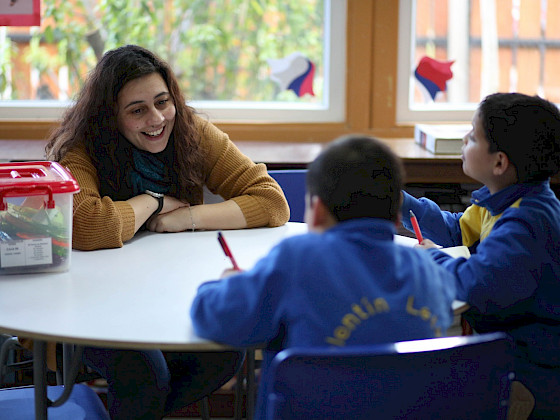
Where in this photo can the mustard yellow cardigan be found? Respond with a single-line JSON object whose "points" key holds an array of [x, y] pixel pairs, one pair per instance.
{"points": [[100, 222]]}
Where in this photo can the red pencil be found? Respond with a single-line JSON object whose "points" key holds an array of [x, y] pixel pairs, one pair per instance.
{"points": [[228, 253], [416, 227]]}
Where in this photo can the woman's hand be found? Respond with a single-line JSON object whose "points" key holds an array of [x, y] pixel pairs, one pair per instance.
{"points": [[174, 220], [145, 205], [171, 203], [224, 215]]}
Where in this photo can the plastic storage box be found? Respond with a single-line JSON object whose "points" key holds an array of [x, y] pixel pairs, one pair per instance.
{"points": [[35, 217]]}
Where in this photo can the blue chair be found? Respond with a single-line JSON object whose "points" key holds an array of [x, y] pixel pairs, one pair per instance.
{"points": [[442, 378], [18, 402], [292, 182], [83, 404]]}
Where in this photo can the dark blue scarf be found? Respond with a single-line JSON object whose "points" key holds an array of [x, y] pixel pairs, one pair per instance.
{"points": [[148, 172], [137, 171]]}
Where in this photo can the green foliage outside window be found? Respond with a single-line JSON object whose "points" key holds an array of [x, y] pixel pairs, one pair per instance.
{"points": [[218, 48]]}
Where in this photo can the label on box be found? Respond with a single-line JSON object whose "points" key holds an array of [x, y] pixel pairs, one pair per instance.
{"points": [[26, 252]]}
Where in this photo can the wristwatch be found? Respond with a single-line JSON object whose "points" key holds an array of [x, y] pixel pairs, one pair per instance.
{"points": [[159, 198]]}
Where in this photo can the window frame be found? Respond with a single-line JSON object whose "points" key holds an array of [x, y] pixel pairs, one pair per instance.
{"points": [[406, 112], [370, 85], [332, 108]]}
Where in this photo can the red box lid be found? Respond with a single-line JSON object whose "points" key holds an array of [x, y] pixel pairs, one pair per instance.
{"points": [[23, 178]]}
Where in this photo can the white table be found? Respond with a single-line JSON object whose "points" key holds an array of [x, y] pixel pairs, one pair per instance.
{"points": [[137, 296]]}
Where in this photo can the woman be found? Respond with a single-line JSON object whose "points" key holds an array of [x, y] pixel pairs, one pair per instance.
{"points": [[142, 158]]}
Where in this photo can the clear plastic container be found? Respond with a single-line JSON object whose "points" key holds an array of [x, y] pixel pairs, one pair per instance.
{"points": [[35, 217]]}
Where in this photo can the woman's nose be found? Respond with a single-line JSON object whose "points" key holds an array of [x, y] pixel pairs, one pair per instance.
{"points": [[155, 117]]}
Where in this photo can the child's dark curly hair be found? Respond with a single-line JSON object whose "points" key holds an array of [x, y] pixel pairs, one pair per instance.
{"points": [[357, 176], [527, 129]]}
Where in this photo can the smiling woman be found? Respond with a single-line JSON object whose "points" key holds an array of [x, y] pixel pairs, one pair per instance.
{"points": [[131, 131], [142, 158]]}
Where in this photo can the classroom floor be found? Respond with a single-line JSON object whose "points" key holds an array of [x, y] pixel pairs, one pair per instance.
{"points": [[221, 407], [195, 418]]}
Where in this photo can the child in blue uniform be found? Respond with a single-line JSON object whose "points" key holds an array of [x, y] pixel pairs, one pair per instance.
{"points": [[345, 282], [512, 280]]}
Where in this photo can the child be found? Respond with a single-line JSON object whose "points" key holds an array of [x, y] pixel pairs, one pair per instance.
{"points": [[512, 227], [345, 282]]}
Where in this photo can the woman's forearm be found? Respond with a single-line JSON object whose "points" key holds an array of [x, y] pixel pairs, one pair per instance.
{"points": [[225, 215], [143, 206]]}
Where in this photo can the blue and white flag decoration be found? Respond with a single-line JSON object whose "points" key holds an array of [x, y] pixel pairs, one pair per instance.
{"points": [[294, 72]]}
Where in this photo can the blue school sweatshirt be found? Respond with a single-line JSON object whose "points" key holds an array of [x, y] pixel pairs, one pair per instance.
{"points": [[512, 279], [350, 285]]}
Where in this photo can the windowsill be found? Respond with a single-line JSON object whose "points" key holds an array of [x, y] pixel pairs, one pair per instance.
{"points": [[420, 165]]}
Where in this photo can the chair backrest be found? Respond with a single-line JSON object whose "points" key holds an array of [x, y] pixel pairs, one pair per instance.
{"points": [[451, 377], [292, 182], [12, 360]]}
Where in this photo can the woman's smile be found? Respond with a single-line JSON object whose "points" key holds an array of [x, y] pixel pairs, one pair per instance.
{"points": [[154, 134]]}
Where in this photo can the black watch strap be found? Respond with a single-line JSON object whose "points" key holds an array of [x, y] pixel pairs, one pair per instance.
{"points": [[159, 197]]}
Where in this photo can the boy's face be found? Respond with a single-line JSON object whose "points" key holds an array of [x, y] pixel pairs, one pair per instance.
{"points": [[478, 162]]}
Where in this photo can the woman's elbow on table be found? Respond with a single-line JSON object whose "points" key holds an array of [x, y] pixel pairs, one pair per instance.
{"points": [[260, 211]]}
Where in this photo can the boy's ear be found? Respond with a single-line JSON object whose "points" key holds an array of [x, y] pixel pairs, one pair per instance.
{"points": [[399, 219], [321, 217], [501, 163]]}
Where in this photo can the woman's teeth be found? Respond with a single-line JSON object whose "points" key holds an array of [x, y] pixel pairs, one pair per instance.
{"points": [[154, 133]]}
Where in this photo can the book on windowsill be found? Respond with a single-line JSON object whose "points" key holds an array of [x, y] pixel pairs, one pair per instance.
{"points": [[441, 138]]}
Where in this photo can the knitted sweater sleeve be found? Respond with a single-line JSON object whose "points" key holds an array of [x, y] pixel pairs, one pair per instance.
{"points": [[98, 222], [232, 175]]}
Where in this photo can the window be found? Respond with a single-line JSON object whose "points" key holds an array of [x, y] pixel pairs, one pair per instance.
{"points": [[495, 46], [220, 51]]}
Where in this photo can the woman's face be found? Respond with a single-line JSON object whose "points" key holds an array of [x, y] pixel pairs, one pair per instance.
{"points": [[146, 113]]}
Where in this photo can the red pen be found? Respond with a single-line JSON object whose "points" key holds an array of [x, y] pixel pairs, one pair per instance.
{"points": [[416, 227], [228, 253]]}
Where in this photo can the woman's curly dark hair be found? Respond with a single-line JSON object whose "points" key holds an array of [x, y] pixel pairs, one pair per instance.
{"points": [[92, 121]]}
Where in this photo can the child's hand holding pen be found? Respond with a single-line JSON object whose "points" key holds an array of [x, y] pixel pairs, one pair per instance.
{"points": [[229, 272], [426, 243], [422, 243]]}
